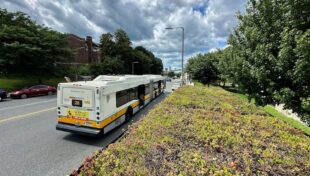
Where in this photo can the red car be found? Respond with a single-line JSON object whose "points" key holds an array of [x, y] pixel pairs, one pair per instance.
{"points": [[33, 91]]}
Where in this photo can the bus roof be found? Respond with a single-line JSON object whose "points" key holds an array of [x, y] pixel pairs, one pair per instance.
{"points": [[117, 82]]}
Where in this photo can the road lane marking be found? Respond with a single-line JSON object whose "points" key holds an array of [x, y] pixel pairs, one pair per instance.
{"points": [[26, 115], [40, 102]]}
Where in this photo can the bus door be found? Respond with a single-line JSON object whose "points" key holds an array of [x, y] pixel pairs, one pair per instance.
{"points": [[152, 89], [141, 94]]}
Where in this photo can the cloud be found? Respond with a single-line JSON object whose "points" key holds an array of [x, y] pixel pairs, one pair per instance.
{"points": [[207, 23]]}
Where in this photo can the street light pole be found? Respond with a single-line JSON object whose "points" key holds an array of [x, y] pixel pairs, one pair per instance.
{"points": [[133, 67], [182, 74], [182, 71]]}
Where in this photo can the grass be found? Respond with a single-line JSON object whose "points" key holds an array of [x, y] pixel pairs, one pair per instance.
{"points": [[272, 111], [14, 83], [205, 131]]}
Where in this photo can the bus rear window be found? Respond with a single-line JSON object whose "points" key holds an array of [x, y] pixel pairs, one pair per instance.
{"points": [[78, 97]]}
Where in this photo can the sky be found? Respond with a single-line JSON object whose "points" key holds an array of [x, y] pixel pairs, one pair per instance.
{"points": [[207, 23]]}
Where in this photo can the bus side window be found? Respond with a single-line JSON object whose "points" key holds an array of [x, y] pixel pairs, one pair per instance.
{"points": [[132, 94], [121, 98]]}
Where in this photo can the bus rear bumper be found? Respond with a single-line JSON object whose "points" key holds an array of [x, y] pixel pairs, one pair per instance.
{"points": [[78, 129]]}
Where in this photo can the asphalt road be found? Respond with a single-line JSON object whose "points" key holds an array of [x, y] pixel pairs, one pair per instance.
{"points": [[30, 145]]}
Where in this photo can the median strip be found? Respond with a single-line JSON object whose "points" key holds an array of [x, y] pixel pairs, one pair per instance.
{"points": [[204, 131], [26, 115]]}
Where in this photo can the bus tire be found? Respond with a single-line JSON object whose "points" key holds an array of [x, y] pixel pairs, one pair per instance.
{"points": [[101, 134], [128, 114]]}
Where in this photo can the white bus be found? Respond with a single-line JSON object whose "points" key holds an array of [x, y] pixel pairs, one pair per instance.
{"points": [[96, 107]]}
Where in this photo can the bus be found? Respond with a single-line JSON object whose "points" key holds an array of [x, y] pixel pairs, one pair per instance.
{"points": [[96, 107]]}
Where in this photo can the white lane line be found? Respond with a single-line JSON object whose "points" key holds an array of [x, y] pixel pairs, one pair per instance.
{"points": [[26, 115], [30, 104]]}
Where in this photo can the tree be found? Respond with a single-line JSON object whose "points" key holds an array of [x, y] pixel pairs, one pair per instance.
{"points": [[107, 45], [269, 46], [27, 48], [171, 74], [112, 66], [157, 66], [203, 68], [119, 46]]}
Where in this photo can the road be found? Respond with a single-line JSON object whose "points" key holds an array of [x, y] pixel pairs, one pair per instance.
{"points": [[30, 145]]}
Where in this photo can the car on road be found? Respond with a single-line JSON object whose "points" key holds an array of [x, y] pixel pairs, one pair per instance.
{"points": [[175, 86], [3, 94], [33, 91]]}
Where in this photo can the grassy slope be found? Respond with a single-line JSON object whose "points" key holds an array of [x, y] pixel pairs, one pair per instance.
{"points": [[272, 111], [202, 131], [14, 83]]}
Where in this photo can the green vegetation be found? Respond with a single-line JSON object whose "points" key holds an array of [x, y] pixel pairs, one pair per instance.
{"points": [[15, 83], [269, 51], [205, 131], [171, 74], [275, 113], [118, 57], [27, 48], [272, 111], [203, 68], [268, 55]]}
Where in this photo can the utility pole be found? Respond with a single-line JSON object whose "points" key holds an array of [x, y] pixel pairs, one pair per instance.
{"points": [[182, 51]]}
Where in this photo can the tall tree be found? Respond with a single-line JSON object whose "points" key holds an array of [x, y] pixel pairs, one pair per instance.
{"points": [[269, 47], [107, 45], [203, 68], [27, 48], [118, 46]]}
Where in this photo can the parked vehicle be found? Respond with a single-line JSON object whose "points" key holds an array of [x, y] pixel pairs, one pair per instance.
{"points": [[36, 90], [3, 94], [96, 107]]}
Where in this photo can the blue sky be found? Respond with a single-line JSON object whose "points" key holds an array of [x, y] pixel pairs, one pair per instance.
{"points": [[207, 23]]}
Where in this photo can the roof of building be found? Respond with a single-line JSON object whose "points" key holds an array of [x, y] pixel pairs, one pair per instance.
{"points": [[80, 38]]}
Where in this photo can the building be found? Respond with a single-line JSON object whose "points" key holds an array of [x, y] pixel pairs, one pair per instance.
{"points": [[85, 50]]}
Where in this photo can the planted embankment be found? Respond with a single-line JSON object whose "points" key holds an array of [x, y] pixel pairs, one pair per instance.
{"points": [[205, 131]]}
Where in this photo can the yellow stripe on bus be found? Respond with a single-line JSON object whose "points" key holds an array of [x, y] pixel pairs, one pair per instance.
{"points": [[147, 96], [135, 104], [94, 124]]}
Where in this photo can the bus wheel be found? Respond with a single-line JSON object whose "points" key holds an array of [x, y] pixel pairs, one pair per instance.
{"points": [[101, 134], [128, 115]]}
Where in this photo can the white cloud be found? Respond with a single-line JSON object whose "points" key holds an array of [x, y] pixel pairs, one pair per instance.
{"points": [[207, 23]]}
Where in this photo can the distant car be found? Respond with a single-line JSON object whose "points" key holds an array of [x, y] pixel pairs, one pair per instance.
{"points": [[175, 86], [168, 79], [36, 90], [3, 94]]}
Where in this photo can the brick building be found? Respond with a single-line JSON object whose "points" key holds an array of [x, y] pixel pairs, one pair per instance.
{"points": [[85, 50]]}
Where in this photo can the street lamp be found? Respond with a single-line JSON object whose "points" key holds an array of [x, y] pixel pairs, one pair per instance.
{"points": [[182, 72], [133, 67]]}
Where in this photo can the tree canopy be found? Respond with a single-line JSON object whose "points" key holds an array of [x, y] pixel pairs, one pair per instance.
{"points": [[203, 68], [268, 55], [271, 49], [27, 48], [118, 47]]}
